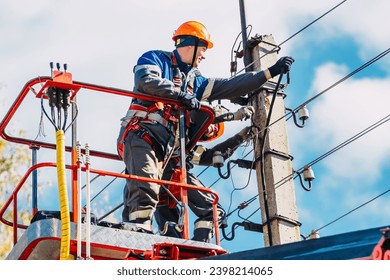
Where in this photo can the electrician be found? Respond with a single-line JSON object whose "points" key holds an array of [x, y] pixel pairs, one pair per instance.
{"points": [[148, 130]]}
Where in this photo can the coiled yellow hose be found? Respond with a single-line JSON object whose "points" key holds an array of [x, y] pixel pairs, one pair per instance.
{"points": [[63, 196]]}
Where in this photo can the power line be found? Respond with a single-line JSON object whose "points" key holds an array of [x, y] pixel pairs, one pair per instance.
{"points": [[338, 147], [365, 65], [292, 36], [311, 23], [335, 149], [373, 60], [328, 224], [349, 212], [286, 40], [350, 140], [348, 76]]}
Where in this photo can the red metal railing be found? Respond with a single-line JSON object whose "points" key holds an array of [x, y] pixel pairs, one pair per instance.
{"points": [[74, 87]]}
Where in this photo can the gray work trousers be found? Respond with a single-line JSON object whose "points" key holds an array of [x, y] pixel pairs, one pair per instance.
{"points": [[200, 203], [140, 198]]}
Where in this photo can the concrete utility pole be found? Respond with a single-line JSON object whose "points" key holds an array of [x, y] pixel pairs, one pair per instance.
{"points": [[277, 197]]}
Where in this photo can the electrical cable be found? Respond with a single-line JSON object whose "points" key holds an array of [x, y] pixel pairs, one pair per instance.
{"points": [[349, 212], [338, 147], [44, 111], [373, 60], [238, 189], [105, 187], [292, 36], [365, 65], [321, 92], [233, 63], [350, 140], [357, 70], [262, 175]]}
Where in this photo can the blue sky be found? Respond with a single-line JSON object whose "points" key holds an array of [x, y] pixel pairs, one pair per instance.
{"points": [[100, 41]]}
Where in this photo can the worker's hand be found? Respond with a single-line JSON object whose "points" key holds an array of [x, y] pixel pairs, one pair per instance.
{"points": [[246, 133], [244, 113], [283, 65], [188, 100]]}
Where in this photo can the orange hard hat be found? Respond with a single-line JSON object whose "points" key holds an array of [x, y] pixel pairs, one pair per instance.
{"points": [[195, 29], [216, 132]]}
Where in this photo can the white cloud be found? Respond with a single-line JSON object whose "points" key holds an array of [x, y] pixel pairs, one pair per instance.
{"points": [[345, 111]]}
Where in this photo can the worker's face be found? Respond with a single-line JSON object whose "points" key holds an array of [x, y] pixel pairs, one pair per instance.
{"points": [[187, 53], [212, 131]]}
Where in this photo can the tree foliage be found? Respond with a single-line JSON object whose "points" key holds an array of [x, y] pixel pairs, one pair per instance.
{"points": [[14, 161]]}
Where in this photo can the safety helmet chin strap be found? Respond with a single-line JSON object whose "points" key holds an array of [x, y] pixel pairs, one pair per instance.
{"points": [[195, 51]]}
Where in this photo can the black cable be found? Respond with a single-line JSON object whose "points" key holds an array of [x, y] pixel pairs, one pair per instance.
{"points": [[74, 118], [289, 38], [233, 64], [227, 173], [345, 143], [365, 65], [338, 147], [353, 210], [238, 189], [236, 225], [351, 139], [279, 46], [111, 211], [232, 232], [311, 23], [262, 145], [104, 188], [44, 111]]}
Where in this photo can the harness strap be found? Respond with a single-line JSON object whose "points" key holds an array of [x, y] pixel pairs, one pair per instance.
{"points": [[164, 116], [159, 112], [141, 132], [177, 81], [164, 198]]}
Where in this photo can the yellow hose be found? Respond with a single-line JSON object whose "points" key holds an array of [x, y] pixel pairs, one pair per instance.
{"points": [[63, 195]]}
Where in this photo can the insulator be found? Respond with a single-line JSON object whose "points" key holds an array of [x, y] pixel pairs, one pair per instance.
{"points": [[52, 96], [303, 113], [218, 159], [308, 174], [314, 234], [87, 158], [65, 99], [78, 151]]}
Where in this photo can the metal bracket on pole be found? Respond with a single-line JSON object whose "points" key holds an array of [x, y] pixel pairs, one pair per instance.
{"points": [[285, 219], [279, 154]]}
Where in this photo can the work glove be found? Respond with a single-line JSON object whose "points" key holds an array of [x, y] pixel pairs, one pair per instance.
{"points": [[243, 113], [283, 65], [246, 133], [188, 100]]}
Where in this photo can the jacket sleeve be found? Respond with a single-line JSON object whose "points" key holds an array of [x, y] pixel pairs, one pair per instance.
{"points": [[152, 75], [219, 88], [204, 156]]}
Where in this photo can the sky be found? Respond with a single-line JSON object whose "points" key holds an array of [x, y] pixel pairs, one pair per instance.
{"points": [[101, 40]]}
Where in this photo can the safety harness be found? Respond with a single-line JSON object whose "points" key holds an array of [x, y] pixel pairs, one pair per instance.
{"points": [[158, 112], [164, 114]]}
